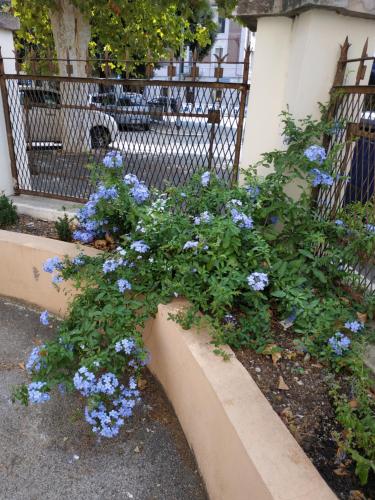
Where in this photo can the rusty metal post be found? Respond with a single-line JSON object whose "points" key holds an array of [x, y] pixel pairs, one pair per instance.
{"points": [[8, 126], [362, 66], [241, 116]]}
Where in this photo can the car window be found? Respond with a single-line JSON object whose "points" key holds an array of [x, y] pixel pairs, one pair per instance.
{"points": [[51, 98]]}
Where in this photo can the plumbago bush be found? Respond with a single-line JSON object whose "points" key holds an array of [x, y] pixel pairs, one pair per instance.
{"points": [[243, 257]]}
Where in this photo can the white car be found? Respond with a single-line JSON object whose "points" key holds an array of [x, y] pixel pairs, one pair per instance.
{"points": [[42, 114]]}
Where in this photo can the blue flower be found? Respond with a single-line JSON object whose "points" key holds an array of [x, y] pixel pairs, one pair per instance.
{"points": [[57, 279], [36, 393], [140, 246], [123, 285], [190, 244], [110, 265], [315, 153], [205, 178], [107, 383], [274, 219], [205, 217], [84, 236], [321, 178], [339, 343], [253, 192], [257, 281], [370, 227], [131, 179], [126, 345], [35, 362], [339, 222], [241, 220], [52, 264], [139, 192], [78, 260], [44, 318], [354, 326], [85, 382], [105, 423], [235, 202], [113, 159]]}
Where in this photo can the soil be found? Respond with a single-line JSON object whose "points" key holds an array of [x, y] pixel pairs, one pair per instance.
{"points": [[302, 401], [37, 227]]}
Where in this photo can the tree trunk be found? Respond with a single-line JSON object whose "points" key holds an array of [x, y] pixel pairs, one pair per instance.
{"points": [[71, 34]]}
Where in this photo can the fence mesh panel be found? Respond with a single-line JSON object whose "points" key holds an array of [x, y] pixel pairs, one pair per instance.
{"points": [[165, 130]]}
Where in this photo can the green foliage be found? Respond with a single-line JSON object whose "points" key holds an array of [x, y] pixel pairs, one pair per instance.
{"points": [[63, 228], [204, 241], [8, 212], [141, 30]]}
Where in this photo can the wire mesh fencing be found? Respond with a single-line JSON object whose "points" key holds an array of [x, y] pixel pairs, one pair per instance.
{"points": [[351, 195], [166, 130]]}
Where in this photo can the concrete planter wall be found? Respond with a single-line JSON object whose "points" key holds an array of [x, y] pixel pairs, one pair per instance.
{"points": [[243, 450]]}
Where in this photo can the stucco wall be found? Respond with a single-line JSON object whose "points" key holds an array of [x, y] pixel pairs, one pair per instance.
{"points": [[295, 63], [243, 450]]}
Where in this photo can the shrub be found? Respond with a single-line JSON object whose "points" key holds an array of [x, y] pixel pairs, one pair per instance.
{"points": [[8, 212], [63, 228], [243, 257]]}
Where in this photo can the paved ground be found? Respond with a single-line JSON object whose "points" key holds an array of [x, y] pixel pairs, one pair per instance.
{"points": [[47, 451]]}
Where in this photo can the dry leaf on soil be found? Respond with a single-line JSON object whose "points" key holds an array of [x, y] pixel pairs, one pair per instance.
{"points": [[282, 385]]}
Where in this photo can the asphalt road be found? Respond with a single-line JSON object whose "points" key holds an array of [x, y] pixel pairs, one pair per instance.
{"points": [[48, 452]]}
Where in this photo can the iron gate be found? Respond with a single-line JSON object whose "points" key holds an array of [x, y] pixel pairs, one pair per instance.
{"points": [[165, 129]]}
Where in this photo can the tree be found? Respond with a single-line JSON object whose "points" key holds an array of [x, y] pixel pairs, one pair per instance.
{"points": [[142, 29]]}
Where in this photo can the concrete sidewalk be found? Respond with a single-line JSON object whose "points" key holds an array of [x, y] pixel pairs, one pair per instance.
{"points": [[48, 452]]}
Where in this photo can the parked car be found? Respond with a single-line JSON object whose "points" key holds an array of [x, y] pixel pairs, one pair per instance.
{"points": [[43, 121], [129, 109]]}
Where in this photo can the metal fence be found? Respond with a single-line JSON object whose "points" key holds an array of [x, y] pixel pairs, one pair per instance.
{"points": [[352, 111], [165, 129]]}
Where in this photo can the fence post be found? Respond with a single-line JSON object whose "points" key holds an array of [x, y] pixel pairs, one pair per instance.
{"points": [[8, 128]]}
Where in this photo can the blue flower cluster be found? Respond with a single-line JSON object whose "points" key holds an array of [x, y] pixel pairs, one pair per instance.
{"points": [[140, 246], [85, 382], [34, 363], [79, 260], [354, 326], [190, 244], [339, 343], [90, 228], [339, 222], [205, 178], [107, 423], [253, 192], [139, 190], [113, 159], [125, 345], [52, 264], [123, 285], [44, 318], [111, 265], [107, 383], [204, 217], [370, 227], [315, 153], [36, 393], [321, 178], [257, 281], [241, 220]]}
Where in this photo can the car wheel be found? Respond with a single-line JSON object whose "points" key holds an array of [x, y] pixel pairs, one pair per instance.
{"points": [[100, 138]]}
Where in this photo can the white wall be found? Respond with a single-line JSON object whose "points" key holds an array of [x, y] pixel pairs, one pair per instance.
{"points": [[295, 63]]}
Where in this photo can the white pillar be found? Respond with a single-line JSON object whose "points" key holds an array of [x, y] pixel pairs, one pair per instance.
{"points": [[268, 88], [7, 25], [295, 63]]}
